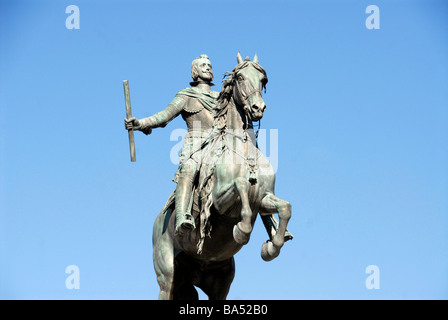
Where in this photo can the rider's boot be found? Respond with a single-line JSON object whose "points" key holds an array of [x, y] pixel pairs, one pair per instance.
{"points": [[184, 193]]}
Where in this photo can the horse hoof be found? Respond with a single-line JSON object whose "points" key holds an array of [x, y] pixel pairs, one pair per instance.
{"points": [[269, 252], [240, 236]]}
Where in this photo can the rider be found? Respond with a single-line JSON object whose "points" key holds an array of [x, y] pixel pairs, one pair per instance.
{"points": [[197, 106]]}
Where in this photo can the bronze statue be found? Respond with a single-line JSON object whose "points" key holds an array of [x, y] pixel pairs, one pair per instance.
{"points": [[196, 105], [224, 181]]}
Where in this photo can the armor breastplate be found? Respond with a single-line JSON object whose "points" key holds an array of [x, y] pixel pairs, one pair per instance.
{"points": [[193, 106], [203, 116]]}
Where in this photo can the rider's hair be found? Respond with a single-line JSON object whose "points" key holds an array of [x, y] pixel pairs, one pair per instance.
{"points": [[194, 71]]}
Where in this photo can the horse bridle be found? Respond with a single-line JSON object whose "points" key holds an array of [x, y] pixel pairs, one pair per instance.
{"points": [[247, 96], [252, 92], [246, 110]]}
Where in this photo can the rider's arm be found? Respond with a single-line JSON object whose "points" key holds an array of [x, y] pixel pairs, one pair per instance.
{"points": [[162, 118]]}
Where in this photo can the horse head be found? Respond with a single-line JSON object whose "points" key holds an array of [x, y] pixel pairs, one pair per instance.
{"points": [[249, 79], [244, 85]]}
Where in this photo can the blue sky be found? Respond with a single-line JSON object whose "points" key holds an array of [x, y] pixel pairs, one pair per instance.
{"points": [[362, 155]]}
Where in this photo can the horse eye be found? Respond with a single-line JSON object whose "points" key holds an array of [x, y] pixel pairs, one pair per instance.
{"points": [[240, 78]]}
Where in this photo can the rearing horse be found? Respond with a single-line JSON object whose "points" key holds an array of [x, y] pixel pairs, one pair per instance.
{"points": [[234, 186]]}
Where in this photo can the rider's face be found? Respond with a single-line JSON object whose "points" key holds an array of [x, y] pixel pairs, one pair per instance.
{"points": [[204, 68]]}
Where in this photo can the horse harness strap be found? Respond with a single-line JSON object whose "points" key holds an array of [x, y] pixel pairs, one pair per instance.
{"points": [[250, 161], [251, 93]]}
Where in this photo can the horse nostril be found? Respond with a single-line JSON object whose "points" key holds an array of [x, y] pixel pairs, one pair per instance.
{"points": [[256, 108]]}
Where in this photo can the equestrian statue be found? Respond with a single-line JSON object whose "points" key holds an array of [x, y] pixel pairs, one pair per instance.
{"points": [[223, 182]]}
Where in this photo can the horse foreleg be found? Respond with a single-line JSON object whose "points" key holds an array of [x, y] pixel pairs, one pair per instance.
{"points": [[243, 229], [272, 204], [271, 226]]}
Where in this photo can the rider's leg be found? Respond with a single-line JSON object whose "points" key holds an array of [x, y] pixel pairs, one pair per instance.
{"points": [[184, 193]]}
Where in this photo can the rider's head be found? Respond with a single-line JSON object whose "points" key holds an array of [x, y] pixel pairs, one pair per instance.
{"points": [[201, 69]]}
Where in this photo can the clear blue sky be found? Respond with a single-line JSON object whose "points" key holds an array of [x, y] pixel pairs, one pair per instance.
{"points": [[362, 120]]}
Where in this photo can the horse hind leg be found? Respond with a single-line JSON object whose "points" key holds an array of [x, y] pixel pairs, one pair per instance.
{"points": [[271, 204], [186, 272], [216, 281], [243, 229], [163, 257]]}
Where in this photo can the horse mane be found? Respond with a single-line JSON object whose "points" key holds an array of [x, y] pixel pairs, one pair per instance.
{"points": [[228, 84]]}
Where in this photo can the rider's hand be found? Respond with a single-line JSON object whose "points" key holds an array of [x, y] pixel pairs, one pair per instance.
{"points": [[135, 124], [132, 124]]}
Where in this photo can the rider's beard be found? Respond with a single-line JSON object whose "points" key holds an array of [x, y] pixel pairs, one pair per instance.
{"points": [[208, 76]]}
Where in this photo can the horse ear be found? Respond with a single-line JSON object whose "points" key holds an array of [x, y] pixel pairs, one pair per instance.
{"points": [[239, 58], [255, 58]]}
